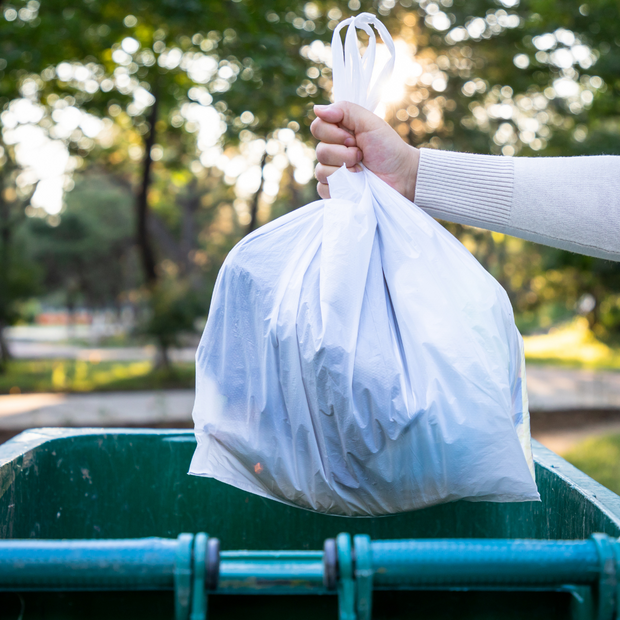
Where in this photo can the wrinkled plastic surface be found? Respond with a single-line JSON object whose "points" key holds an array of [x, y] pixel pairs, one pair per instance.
{"points": [[358, 360]]}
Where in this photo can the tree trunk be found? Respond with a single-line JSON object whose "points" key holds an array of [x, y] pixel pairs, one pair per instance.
{"points": [[5, 354], [70, 317], [166, 242], [259, 191], [190, 204], [595, 316], [142, 202], [5, 240], [162, 361]]}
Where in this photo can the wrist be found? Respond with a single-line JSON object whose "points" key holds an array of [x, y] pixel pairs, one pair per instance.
{"points": [[411, 172]]}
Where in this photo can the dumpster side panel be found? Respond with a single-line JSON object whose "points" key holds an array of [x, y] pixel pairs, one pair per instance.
{"points": [[102, 483]]}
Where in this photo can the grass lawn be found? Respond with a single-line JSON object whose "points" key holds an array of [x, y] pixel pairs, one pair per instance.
{"points": [[599, 457], [572, 345], [25, 376]]}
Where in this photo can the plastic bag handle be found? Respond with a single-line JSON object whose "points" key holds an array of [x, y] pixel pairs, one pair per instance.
{"points": [[352, 72]]}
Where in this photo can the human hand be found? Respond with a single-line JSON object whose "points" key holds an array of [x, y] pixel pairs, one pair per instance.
{"points": [[350, 134]]}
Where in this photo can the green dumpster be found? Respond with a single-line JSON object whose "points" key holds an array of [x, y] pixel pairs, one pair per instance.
{"points": [[88, 492]]}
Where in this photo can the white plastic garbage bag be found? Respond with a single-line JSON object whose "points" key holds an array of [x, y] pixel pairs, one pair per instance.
{"points": [[357, 359]]}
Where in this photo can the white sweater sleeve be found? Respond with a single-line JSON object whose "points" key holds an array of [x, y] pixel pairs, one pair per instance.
{"points": [[571, 203]]}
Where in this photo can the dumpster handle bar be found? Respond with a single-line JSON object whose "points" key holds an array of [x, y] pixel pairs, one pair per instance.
{"points": [[193, 567]]}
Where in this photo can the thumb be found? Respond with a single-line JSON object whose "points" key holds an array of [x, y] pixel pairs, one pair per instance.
{"points": [[349, 115]]}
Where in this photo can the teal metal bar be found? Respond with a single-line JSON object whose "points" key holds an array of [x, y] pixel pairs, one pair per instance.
{"points": [[152, 564], [363, 576], [271, 572], [433, 563], [182, 565], [607, 577], [346, 578], [199, 596], [140, 564], [183, 576]]}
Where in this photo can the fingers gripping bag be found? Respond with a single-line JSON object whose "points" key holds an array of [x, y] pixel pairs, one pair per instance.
{"points": [[357, 359]]}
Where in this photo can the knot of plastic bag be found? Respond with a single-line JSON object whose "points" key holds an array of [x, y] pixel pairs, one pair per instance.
{"points": [[352, 73]]}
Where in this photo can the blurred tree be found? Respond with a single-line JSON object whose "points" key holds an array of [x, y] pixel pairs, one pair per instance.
{"points": [[154, 67], [18, 276], [528, 78], [89, 254], [173, 312], [478, 75], [152, 60]]}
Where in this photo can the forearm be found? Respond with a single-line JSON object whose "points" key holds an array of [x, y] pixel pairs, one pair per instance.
{"points": [[571, 203]]}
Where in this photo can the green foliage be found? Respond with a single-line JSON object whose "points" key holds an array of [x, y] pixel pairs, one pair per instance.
{"points": [[573, 345], [239, 38], [173, 311], [264, 67], [599, 457], [261, 76], [18, 282], [27, 376], [89, 251]]}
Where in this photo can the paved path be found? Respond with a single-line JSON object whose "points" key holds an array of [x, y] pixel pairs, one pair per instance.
{"points": [[99, 409], [553, 389], [55, 350], [561, 441], [550, 389], [558, 389], [59, 342]]}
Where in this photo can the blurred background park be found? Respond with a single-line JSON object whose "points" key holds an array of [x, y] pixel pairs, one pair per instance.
{"points": [[139, 141]]}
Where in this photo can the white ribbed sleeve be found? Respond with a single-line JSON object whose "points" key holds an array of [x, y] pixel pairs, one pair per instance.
{"points": [[476, 189], [571, 203]]}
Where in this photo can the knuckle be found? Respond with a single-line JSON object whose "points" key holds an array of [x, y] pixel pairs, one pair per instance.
{"points": [[319, 173]]}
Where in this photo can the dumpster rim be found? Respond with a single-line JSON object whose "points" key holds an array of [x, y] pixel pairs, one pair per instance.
{"points": [[603, 499]]}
